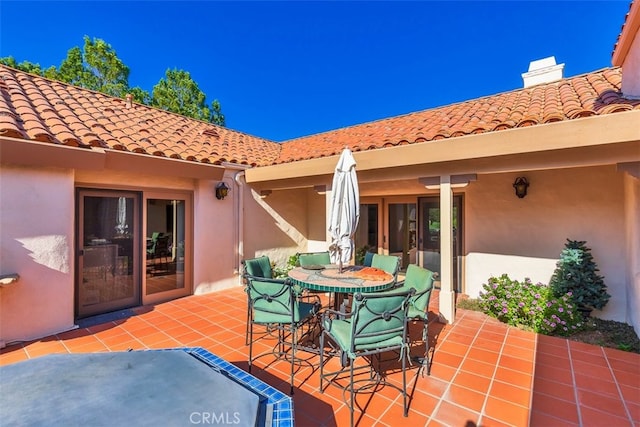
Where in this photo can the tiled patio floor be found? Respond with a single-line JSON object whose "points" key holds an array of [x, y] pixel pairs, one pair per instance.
{"points": [[484, 373]]}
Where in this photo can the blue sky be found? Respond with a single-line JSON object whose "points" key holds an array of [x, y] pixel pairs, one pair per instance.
{"points": [[287, 69]]}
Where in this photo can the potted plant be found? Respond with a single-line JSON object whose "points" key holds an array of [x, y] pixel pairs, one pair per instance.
{"points": [[576, 272]]}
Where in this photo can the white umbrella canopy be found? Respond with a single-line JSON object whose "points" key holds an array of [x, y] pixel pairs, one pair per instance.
{"points": [[345, 208]]}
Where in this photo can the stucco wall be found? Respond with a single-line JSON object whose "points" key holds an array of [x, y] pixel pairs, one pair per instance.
{"points": [[275, 226], [214, 231], [36, 242], [631, 70], [524, 237], [632, 216]]}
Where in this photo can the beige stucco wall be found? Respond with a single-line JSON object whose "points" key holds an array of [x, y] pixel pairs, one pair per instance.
{"points": [[215, 237], [35, 242], [631, 70], [524, 237], [276, 225], [632, 219]]}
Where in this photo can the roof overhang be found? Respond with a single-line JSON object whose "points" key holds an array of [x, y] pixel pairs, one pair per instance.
{"points": [[19, 152], [593, 140]]}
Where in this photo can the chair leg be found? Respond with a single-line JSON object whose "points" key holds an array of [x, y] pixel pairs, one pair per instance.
{"points": [[294, 344], [425, 336], [352, 391], [250, 330], [404, 385], [321, 358], [246, 335]]}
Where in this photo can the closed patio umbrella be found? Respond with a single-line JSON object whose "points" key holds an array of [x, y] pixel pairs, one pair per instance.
{"points": [[345, 209]]}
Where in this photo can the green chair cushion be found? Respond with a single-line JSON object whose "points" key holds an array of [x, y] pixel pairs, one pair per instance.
{"points": [[259, 267]]}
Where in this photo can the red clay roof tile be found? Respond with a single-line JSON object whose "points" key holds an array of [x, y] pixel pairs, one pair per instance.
{"points": [[32, 107], [590, 94]]}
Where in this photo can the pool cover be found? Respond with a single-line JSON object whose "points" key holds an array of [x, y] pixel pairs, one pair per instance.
{"points": [[138, 388]]}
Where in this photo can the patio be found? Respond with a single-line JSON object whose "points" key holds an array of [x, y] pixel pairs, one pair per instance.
{"points": [[484, 372]]}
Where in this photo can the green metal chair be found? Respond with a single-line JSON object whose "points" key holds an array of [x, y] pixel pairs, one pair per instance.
{"points": [[421, 280], [274, 303], [368, 258], [388, 263], [314, 258], [256, 267], [376, 324]]}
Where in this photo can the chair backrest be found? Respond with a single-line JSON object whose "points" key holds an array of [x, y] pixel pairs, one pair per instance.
{"points": [[379, 320], [388, 263], [258, 267], [314, 258], [161, 246], [421, 280], [368, 258]]}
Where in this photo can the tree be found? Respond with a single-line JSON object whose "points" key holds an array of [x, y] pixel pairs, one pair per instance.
{"points": [[97, 68], [217, 116], [577, 272], [179, 93], [25, 66]]}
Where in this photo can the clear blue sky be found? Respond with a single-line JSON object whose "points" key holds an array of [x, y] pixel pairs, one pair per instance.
{"points": [[287, 69]]}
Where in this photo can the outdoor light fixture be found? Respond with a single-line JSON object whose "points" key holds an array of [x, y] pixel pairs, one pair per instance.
{"points": [[221, 191], [520, 186]]}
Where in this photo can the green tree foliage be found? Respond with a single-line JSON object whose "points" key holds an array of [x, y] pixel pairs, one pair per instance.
{"points": [[576, 272], [26, 66], [179, 93], [97, 67]]}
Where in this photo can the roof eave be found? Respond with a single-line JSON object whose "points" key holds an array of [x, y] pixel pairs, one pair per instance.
{"points": [[14, 151], [579, 133]]}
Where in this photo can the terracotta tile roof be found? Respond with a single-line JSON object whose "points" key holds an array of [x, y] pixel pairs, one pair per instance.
{"points": [[595, 93], [38, 109], [35, 108]]}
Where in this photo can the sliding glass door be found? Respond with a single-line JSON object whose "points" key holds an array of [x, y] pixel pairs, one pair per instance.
{"points": [[108, 242], [167, 246]]}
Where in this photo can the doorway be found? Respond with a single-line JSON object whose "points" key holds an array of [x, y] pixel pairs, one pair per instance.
{"points": [[402, 232], [107, 242], [429, 236], [167, 246]]}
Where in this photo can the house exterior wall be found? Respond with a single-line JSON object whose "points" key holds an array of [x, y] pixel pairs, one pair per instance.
{"points": [[631, 70], [36, 242], [524, 237], [276, 225], [632, 231]]}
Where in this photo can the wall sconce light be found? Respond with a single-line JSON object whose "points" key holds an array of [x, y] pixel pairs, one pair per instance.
{"points": [[520, 186], [221, 191]]}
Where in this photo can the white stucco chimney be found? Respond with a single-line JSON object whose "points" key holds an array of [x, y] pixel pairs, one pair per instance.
{"points": [[543, 71]]}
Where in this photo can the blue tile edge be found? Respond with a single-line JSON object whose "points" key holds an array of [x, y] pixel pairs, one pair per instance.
{"points": [[281, 404]]}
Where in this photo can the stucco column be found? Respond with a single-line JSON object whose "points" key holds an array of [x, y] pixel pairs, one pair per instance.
{"points": [[447, 296]]}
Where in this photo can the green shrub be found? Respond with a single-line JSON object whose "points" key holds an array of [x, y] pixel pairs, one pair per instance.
{"points": [[530, 306], [282, 272], [576, 272]]}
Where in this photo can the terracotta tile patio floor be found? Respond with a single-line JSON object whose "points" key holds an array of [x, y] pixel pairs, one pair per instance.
{"points": [[484, 373]]}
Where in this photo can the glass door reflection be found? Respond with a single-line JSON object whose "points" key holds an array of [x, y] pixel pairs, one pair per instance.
{"points": [[165, 240], [106, 252]]}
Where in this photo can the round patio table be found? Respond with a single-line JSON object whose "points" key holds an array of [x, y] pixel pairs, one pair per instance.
{"points": [[328, 278]]}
